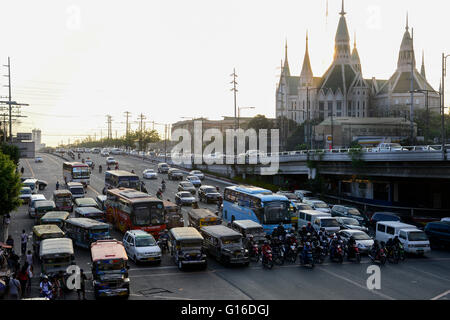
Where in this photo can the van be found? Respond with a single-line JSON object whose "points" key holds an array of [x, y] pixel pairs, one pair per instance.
{"points": [[32, 184], [330, 224], [413, 239], [305, 216], [31, 205], [76, 189]]}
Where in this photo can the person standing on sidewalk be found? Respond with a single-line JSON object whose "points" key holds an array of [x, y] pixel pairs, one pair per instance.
{"points": [[24, 241], [6, 222]]}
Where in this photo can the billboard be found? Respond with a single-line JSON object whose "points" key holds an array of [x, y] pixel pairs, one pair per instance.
{"points": [[24, 136]]}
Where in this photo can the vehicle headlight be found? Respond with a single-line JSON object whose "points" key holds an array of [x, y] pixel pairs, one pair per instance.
{"points": [[246, 250]]}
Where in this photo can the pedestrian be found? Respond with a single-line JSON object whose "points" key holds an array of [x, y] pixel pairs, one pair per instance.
{"points": [[30, 275], [82, 289], [24, 240], [6, 222], [29, 258], [22, 170], [10, 241], [14, 288], [23, 278]]}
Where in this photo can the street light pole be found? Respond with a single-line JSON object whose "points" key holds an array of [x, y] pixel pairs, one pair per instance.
{"points": [[444, 71]]}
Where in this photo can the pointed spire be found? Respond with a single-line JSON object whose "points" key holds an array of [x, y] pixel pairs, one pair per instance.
{"points": [[306, 75], [342, 13], [422, 69], [286, 63], [354, 42], [407, 27]]}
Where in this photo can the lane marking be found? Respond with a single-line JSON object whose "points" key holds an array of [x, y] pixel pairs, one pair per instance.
{"points": [[29, 166], [429, 273], [172, 298], [441, 295], [357, 284], [90, 188]]}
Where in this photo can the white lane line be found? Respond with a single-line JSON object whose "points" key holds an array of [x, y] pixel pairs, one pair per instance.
{"points": [[441, 295], [171, 298], [357, 284], [29, 166], [430, 274]]}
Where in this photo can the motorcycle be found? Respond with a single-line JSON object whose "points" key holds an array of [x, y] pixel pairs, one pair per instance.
{"points": [[401, 252], [278, 255], [100, 169], [378, 257], [291, 254], [267, 259], [319, 254], [306, 258], [353, 253], [163, 244], [163, 187], [338, 254], [254, 253]]}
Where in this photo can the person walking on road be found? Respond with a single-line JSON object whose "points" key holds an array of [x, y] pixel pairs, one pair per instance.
{"points": [[24, 241], [23, 279], [22, 170], [14, 288], [29, 258]]}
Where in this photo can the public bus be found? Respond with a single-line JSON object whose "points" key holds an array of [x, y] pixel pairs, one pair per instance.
{"points": [[122, 179], [257, 204], [128, 209], [76, 172]]}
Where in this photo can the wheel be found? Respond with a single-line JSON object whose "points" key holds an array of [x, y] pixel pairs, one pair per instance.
{"points": [[341, 259], [358, 258], [270, 264]]}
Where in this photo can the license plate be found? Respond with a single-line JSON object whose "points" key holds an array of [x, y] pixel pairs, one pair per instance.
{"points": [[150, 258]]}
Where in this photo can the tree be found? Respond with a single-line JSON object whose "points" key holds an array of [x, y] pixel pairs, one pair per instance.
{"points": [[9, 187], [11, 151], [260, 122]]}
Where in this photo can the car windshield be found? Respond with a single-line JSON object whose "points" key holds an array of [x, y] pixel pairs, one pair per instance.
{"points": [[190, 245], [231, 241], [386, 217], [79, 190], [25, 191], [328, 223], [290, 196], [276, 212], [196, 172], [417, 236], [254, 230], [148, 214], [187, 184], [210, 190], [361, 236], [354, 212], [351, 221], [303, 207], [145, 242], [129, 182], [99, 230], [110, 265], [185, 195], [320, 205]]}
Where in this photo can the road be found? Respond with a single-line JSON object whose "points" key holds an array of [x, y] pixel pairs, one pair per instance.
{"points": [[416, 278]]}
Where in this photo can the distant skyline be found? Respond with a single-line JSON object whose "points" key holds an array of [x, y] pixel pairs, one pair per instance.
{"points": [[75, 62]]}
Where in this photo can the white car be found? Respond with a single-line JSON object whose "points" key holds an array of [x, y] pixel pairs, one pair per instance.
{"points": [[363, 241], [104, 153], [149, 174], [301, 194], [318, 205], [194, 180], [141, 246], [198, 174], [38, 159], [110, 160]]}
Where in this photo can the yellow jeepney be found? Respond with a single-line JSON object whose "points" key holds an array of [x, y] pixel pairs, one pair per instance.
{"points": [[45, 231], [55, 217], [203, 217]]}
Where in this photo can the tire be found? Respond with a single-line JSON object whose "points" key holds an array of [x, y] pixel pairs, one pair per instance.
{"points": [[358, 258], [383, 261], [270, 265], [341, 259]]}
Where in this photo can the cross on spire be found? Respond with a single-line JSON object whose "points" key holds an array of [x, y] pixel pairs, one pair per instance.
{"points": [[342, 13], [407, 26]]}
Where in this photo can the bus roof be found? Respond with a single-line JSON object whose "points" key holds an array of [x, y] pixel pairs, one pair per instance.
{"points": [[246, 224], [56, 246], [397, 224], [186, 233], [55, 215], [75, 164], [63, 192], [121, 173], [220, 231], [132, 195], [108, 249], [87, 223], [42, 229], [85, 201], [262, 194]]}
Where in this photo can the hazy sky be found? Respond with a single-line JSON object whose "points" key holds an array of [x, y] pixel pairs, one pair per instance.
{"points": [[76, 61]]}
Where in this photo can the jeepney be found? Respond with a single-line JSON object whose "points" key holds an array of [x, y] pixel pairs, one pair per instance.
{"points": [[90, 212], [86, 202], [100, 199], [41, 208], [56, 255], [55, 217], [63, 200], [203, 217], [247, 228], [109, 269], [225, 244], [45, 231], [172, 215], [186, 247], [84, 231]]}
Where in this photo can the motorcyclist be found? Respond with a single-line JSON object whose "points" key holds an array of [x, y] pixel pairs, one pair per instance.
{"points": [[117, 167], [250, 243], [310, 228], [375, 249], [46, 288], [57, 185], [333, 244], [164, 238], [303, 232], [100, 169], [350, 244], [78, 156], [108, 168], [264, 248], [132, 171], [307, 247], [159, 194], [280, 230], [163, 185]]}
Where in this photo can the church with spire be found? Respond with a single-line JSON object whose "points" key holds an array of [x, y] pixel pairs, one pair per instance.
{"points": [[342, 91]]}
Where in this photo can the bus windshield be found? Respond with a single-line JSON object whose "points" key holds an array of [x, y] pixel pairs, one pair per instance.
{"points": [[129, 182], [148, 214], [80, 172], [276, 212]]}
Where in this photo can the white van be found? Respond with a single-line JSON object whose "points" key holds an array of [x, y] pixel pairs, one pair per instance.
{"points": [[76, 189], [305, 216], [34, 198], [413, 239], [32, 184], [330, 224]]}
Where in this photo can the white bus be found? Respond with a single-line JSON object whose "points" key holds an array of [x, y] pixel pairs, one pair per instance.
{"points": [[76, 172]]}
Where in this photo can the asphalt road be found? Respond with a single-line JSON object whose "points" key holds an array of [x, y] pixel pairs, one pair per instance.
{"points": [[416, 278]]}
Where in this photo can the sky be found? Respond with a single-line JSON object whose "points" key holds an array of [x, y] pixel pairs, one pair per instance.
{"points": [[76, 61]]}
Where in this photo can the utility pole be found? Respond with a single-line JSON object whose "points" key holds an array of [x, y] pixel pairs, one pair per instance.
{"points": [[234, 83], [141, 118], [108, 121], [165, 143], [127, 115], [411, 108]]}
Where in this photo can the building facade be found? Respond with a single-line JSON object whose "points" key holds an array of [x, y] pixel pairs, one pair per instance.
{"points": [[342, 91]]}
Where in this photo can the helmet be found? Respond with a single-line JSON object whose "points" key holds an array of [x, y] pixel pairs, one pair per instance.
{"points": [[292, 229], [335, 236], [322, 229], [309, 223], [250, 236], [303, 227], [266, 242], [308, 234]]}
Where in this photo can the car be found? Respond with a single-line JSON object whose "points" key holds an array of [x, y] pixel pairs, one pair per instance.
{"points": [[187, 186], [110, 160], [141, 246], [350, 223], [389, 147], [362, 239], [42, 184], [438, 233], [301, 194], [38, 159], [86, 202], [184, 198], [104, 153], [383, 216], [163, 167], [301, 206], [90, 163], [208, 194], [349, 212], [447, 219], [174, 174], [194, 180], [149, 174], [288, 194], [198, 174], [318, 205], [25, 194]]}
